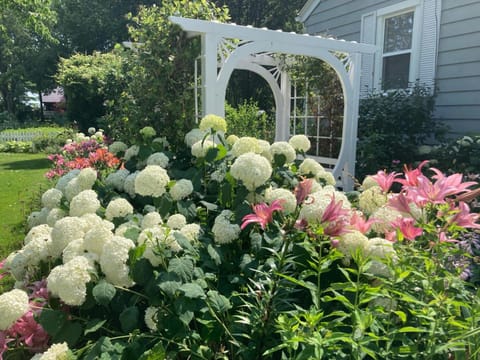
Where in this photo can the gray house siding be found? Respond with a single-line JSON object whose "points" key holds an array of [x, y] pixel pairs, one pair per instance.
{"points": [[458, 66], [457, 75]]}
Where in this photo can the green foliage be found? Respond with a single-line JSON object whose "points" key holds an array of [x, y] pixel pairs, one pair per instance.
{"points": [[88, 81], [391, 127], [159, 91], [457, 155], [248, 120]]}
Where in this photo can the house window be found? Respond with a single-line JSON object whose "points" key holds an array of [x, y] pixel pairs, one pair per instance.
{"points": [[397, 50]]}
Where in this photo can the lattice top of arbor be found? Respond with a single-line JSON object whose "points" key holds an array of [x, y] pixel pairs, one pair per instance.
{"points": [[226, 47]]}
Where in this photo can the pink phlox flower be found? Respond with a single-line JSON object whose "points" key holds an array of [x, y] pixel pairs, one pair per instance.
{"points": [[411, 176], [263, 214], [303, 189], [464, 218], [407, 227], [385, 180], [358, 222]]}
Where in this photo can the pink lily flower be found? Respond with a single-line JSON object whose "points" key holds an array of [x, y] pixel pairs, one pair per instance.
{"points": [[303, 189], [358, 222], [336, 217], [263, 214], [464, 218], [411, 176], [384, 180], [400, 202], [407, 228], [444, 238]]}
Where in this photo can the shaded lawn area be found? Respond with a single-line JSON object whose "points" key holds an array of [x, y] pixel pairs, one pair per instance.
{"points": [[22, 182]]}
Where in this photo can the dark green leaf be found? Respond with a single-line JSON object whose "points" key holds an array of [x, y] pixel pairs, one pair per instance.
{"points": [[69, 333], [142, 271], [193, 291], [103, 292], [218, 302], [132, 233], [212, 251], [170, 287], [93, 325], [187, 208], [155, 353], [183, 267], [129, 319], [52, 320]]}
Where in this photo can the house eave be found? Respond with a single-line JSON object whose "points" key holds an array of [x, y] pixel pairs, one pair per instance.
{"points": [[306, 10]]}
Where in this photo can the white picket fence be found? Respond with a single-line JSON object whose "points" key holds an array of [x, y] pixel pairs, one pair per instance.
{"points": [[28, 135]]}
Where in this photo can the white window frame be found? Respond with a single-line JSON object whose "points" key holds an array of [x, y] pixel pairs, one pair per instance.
{"points": [[391, 11]]}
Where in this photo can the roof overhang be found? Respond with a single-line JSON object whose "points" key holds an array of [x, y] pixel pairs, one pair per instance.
{"points": [[307, 10]]}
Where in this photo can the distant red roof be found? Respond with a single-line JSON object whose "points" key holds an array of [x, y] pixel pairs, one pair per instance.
{"points": [[56, 96]]}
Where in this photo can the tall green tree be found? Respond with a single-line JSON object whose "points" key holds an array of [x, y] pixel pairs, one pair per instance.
{"points": [[25, 30]]}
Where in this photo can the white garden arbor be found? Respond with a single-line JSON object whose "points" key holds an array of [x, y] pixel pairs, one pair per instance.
{"points": [[227, 47]]}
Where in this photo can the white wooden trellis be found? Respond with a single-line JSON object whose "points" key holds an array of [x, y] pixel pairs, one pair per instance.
{"points": [[226, 47]]}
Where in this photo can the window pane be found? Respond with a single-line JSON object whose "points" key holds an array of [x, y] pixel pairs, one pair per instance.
{"points": [[396, 69], [398, 33]]}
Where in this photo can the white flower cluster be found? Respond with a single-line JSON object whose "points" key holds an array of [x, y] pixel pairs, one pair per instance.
{"points": [[64, 231], [85, 202], [245, 145], [151, 219], [156, 239], [83, 181], [285, 149], [224, 232], [131, 152], [117, 147], [289, 201], [176, 221], [314, 207], [52, 198], [113, 261], [129, 184], [181, 189], [159, 159], [372, 199], [151, 318], [300, 143], [214, 122], [69, 281], [252, 169], [200, 148], [117, 179], [351, 243], [13, 304], [312, 167], [151, 181], [118, 207], [58, 351], [191, 231], [194, 136]]}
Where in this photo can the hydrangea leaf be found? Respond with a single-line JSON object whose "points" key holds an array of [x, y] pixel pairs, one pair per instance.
{"points": [[218, 302], [155, 353], [187, 208], [129, 319], [103, 292], [214, 254], [69, 333], [142, 271], [193, 291], [183, 267], [93, 325], [170, 287], [52, 320]]}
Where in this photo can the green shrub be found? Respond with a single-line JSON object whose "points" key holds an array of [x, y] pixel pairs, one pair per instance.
{"points": [[248, 120], [17, 147], [391, 126]]}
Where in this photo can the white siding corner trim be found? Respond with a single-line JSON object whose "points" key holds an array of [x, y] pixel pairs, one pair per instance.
{"points": [[424, 42]]}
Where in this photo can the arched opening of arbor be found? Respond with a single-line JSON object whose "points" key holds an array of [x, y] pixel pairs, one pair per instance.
{"points": [[227, 47]]}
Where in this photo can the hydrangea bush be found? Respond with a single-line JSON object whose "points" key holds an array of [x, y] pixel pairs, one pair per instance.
{"points": [[234, 248]]}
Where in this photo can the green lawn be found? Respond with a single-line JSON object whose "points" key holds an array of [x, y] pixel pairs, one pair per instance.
{"points": [[22, 182]]}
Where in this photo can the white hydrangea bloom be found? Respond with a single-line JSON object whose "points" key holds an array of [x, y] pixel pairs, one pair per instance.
{"points": [[153, 238], [385, 216], [93, 221], [151, 181], [200, 148], [85, 202], [129, 184], [176, 221], [65, 230], [54, 215], [38, 218], [162, 141], [16, 263], [69, 281], [95, 238], [368, 182], [151, 318], [245, 145], [264, 147], [37, 249], [58, 351], [159, 159], [289, 201], [118, 207], [232, 139], [117, 147], [283, 148], [194, 136], [377, 249], [52, 198], [300, 142], [123, 228], [224, 232], [13, 304], [114, 261], [117, 179], [131, 152], [213, 122], [310, 166], [86, 178], [315, 205], [73, 249], [181, 189], [43, 231], [351, 242], [191, 231], [65, 179], [151, 219], [372, 199], [328, 177], [252, 169]]}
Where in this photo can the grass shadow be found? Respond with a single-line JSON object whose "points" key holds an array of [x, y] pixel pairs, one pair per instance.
{"points": [[33, 164]]}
